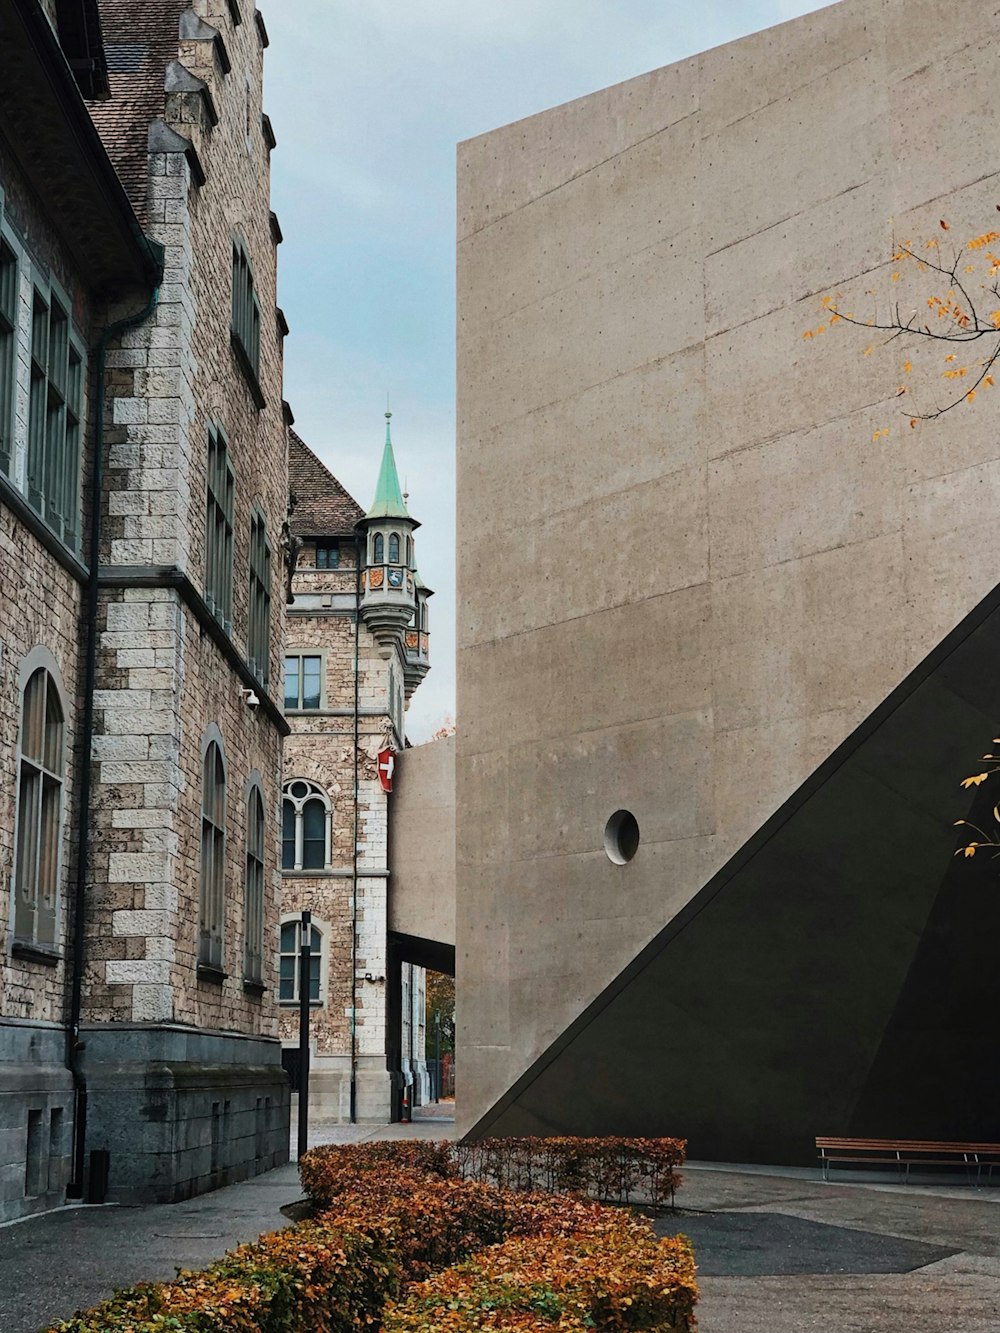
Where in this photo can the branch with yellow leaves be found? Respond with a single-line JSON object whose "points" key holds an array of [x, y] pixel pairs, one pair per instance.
{"points": [[977, 780], [954, 317]]}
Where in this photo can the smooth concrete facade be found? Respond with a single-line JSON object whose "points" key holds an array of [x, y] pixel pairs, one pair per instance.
{"points": [[686, 573], [422, 843]]}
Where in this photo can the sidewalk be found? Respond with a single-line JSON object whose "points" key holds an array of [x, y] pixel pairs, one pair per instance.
{"points": [[53, 1265]]}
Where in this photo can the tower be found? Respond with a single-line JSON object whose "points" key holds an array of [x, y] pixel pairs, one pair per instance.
{"points": [[388, 584]]}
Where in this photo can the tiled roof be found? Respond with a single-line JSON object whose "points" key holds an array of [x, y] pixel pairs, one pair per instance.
{"points": [[141, 37], [322, 507]]}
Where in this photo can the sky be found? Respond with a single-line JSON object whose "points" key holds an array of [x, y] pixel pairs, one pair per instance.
{"points": [[369, 99]]}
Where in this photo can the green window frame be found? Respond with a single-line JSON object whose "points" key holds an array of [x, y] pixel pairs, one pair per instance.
{"points": [[55, 409], [220, 506], [9, 295], [246, 309], [288, 980], [39, 815], [259, 631], [212, 895], [253, 906]]}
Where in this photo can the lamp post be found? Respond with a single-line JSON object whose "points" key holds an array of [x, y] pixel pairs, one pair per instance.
{"points": [[305, 971]]}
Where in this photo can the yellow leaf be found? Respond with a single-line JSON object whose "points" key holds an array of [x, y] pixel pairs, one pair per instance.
{"points": [[907, 367], [827, 302], [913, 423], [989, 381], [808, 334], [995, 319], [869, 350], [945, 226], [976, 780], [951, 357], [971, 849], [970, 268], [970, 395], [895, 277]]}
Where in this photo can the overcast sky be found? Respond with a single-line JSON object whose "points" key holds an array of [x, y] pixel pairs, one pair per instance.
{"points": [[368, 100]]}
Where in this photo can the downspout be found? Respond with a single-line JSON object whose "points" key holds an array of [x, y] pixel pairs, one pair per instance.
{"points": [[74, 1046], [354, 868]]}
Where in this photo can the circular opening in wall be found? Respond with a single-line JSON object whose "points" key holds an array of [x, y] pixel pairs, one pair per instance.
{"points": [[621, 837]]}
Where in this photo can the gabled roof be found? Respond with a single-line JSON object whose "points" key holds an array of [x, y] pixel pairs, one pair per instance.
{"points": [[322, 507], [140, 40]]}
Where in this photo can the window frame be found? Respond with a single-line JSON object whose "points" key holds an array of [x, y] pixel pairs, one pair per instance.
{"points": [[327, 549], [220, 514], [254, 897], [259, 609], [300, 655], [46, 808], [314, 792], [212, 866], [10, 303], [245, 322], [320, 933]]}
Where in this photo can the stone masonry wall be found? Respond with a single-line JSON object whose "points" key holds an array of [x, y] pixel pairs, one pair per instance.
{"points": [[162, 680]]}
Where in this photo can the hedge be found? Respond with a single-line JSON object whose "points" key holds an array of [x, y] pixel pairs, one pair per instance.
{"points": [[612, 1275], [385, 1230]]}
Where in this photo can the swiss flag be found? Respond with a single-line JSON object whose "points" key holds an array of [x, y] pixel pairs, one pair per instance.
{"points": [[386, 767]]}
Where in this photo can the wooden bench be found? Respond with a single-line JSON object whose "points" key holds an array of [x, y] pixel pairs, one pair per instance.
{"points": [[976, 1158]]}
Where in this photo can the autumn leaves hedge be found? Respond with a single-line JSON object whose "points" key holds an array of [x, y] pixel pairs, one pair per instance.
{"points": [[403, 1242]]}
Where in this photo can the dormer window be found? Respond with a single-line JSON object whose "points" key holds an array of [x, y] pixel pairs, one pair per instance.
{"points": [[394, 548], [378, 549]]}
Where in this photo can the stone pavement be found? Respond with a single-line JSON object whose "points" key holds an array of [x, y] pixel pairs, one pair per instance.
{"points": [[786, 1253], [778, 1251]]}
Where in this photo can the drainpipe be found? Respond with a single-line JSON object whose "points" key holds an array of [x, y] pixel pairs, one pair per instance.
{"points": [[354, 870], [74, 1046]]}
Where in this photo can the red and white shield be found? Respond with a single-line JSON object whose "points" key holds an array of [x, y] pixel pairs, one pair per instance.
{"points": [[386, 767]]}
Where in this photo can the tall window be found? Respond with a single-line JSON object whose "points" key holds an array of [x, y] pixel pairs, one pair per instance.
{"points": [[303, 681], [378, 549], [246, 310], [220, 501], [259, 634], [253, 907], [39, 811], [305, 826], [288, 976], [8, 352], [394, 548], [54, 408], [213, 858]]}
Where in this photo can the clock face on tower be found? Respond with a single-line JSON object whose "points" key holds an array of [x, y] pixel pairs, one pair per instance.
{"points": [[395, 578]]}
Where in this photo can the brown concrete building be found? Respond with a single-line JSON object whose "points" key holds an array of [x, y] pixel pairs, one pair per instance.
{"points": [[144, 492], [357, 648], [687, 579]]}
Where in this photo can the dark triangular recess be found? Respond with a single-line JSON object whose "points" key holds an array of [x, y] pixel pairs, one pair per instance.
{"points": [[838, 976]]}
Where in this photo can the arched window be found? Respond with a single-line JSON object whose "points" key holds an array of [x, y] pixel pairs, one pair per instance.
{"points": [[305, 826], [39, 810], [212, 905], [288, 977], [394, 548], [253, 905], [378, 549]]}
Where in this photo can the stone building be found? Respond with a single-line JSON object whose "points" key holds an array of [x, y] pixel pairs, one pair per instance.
{"points": [[723, 660], [357, 648], [143, 493]]}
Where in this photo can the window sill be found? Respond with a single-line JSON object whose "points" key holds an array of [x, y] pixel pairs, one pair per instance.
{"points": [[254, 988], [249, 374], [35, 953], [215, 975], [294, 1004]]}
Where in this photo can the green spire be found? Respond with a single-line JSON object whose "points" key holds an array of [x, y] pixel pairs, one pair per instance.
{"points": [[388, 502]]}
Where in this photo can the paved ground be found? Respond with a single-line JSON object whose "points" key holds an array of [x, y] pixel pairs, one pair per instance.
{"points": [[789, 1254], [778, 1253]]}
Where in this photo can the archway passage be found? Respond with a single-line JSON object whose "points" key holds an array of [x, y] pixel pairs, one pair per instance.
{"points": [[406, 1037]]}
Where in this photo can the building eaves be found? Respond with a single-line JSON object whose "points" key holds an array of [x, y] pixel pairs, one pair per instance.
{"points": [[45, 120]]}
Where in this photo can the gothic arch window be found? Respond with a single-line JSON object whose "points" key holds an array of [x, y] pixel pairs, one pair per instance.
{"points": [[253, 887], [394, 548], [378, 549], [288, 977], [212, 900], [39, 815], [409, 551], [305, 826]]}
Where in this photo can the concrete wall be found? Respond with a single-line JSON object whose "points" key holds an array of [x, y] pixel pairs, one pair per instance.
{"points": [[686, 573], [422, 841]]}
